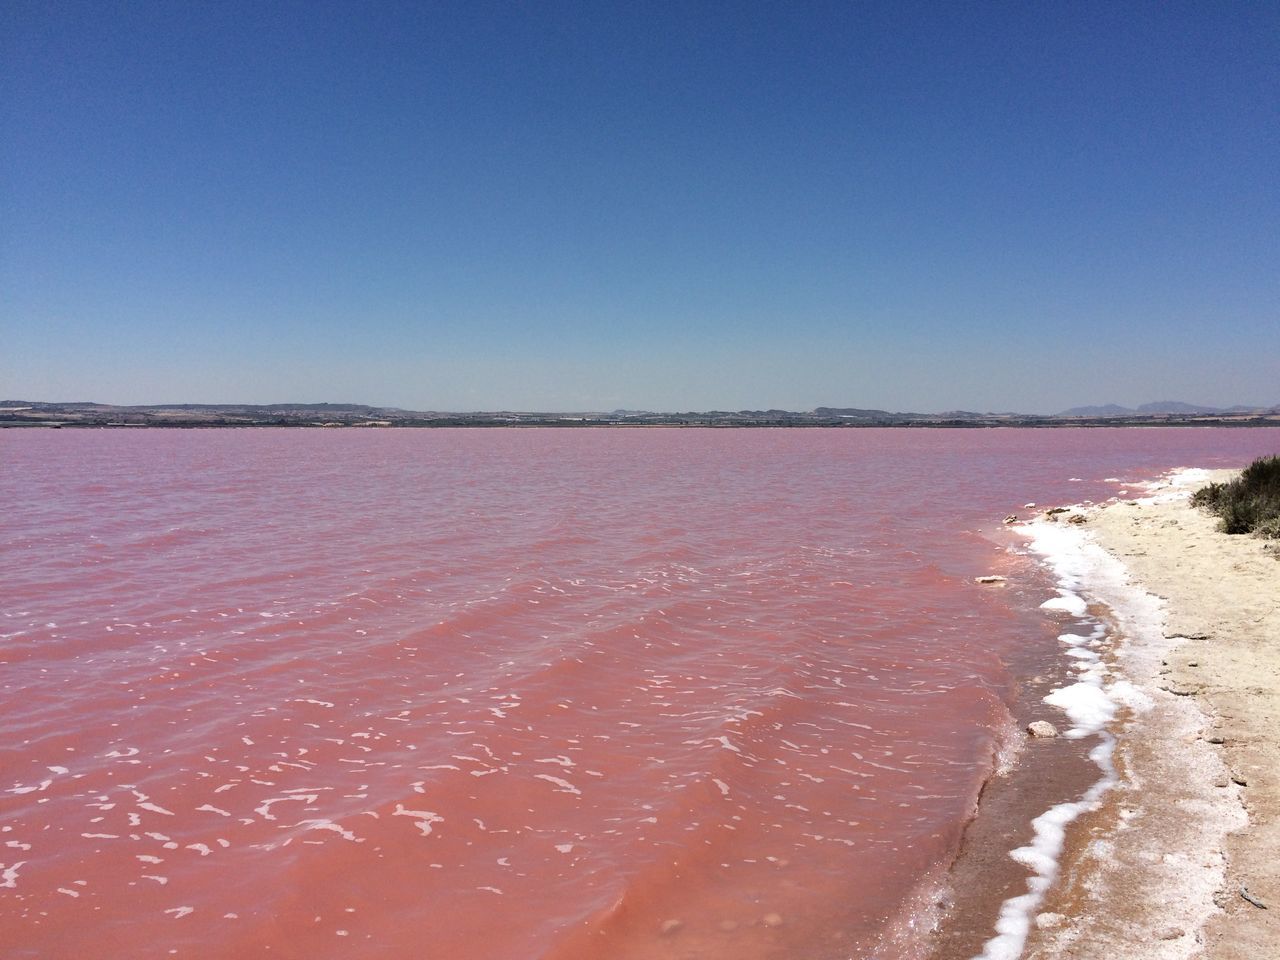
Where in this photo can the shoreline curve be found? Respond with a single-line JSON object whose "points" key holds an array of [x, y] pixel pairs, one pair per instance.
{"points": [[1171, 857]]}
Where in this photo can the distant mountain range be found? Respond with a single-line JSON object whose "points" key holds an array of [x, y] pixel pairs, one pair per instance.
{"points": [[1162, 408], [35, 413]]}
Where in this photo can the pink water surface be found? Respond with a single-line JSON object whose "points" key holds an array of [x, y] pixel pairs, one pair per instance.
{"points": [[512, 694]]}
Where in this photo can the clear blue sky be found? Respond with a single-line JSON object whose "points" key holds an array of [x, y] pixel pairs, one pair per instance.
{"points": [[666, 206]]}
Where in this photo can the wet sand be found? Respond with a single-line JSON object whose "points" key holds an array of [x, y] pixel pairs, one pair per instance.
{"points": [[1042, 774], [1157, 871]]}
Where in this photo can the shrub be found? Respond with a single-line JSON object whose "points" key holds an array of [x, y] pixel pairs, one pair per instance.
{"points": [[1207, 496], [1248, 504]]}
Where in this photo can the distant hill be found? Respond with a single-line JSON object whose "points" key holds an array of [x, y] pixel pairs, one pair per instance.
{"points": [[857, 413], [1176, 406], [212, 407], [1161, 408], [1105, 410], [36, 413]]}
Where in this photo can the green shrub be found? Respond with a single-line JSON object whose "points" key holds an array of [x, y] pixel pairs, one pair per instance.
{"points": [[1248, 504], [1207, 496]]}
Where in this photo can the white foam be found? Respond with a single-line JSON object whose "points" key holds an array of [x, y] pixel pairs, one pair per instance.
{"points": [[331, 826], [560, 760], [1014, 922], [1175, 485], [9, 874], [1087, 704], [42, 785], [1083, 570], [564, 785], [1189, 477], [1067, 602], [424, 818], [264, 809]]}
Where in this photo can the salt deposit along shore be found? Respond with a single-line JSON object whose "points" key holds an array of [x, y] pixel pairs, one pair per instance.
{"points": [[1180, 857]]}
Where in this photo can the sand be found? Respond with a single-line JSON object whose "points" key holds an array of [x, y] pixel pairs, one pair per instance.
{"points": [[1157, 871]]}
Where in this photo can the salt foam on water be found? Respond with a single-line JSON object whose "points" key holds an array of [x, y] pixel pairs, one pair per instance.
{"points": [[1067, 603], [1082, 568], [1087, 704], [1176, 485]]}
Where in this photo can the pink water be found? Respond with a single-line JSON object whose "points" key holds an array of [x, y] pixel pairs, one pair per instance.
{"points": [[510, 694]]}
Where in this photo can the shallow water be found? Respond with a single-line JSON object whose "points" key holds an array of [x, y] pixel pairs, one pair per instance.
{"points": [[513, 693]]}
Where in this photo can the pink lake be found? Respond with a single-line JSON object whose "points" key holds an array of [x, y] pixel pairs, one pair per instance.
{"points": [[508, 694]]}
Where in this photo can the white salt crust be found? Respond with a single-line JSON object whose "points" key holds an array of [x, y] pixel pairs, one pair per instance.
{"points": [[1084, 572]]}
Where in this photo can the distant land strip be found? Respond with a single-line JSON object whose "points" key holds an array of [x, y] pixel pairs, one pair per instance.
{"points": [[20, 413]]}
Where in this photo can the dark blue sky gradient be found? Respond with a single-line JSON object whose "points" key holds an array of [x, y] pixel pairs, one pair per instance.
{"points": [[671, 206]]}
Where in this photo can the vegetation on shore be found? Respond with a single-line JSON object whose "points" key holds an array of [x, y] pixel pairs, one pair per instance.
{"points": [[1248, 504]]}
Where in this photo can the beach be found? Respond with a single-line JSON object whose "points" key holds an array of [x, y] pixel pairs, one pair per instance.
{"points": [[1180, 856]]}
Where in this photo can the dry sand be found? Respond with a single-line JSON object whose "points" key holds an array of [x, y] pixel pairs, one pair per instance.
{"points": [[1157, 871]]}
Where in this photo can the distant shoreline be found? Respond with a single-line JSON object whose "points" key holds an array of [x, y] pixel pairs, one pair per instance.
{"points": [[357, 416]]}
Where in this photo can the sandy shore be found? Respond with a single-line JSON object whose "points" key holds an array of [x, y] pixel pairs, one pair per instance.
{"points": [[1157, 871]]}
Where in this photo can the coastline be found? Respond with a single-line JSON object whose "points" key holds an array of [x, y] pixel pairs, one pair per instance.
{"points": [[1196, 816], [1175, 642]]}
